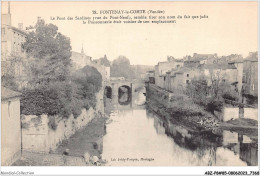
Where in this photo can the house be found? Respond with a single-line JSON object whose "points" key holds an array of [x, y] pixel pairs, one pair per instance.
{"points": [[12, 39], [250, 74], [150, 76], [11, 126], [105, 64], [199, 59], [239, 73], [179, 78], [163, 67], [80, 60]]}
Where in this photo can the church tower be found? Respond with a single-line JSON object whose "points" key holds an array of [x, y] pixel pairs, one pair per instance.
{"points": [[82, 50]]}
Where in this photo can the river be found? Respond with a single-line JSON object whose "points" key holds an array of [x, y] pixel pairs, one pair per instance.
{"points": [[136, 136]]}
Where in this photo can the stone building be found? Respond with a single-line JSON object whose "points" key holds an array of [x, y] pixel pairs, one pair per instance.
{"points": [[178, 79], [199, 59], [80, 60], [105, 64], [223, 72], [150, 76], [11, 126], [163, 67], [250, 74], [12, 39]]}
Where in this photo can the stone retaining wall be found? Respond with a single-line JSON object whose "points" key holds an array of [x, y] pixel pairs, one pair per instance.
{"points": [[39, 136]]}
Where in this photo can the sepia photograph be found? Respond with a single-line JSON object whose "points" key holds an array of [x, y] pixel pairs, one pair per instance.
{"points": [[106, 83]]}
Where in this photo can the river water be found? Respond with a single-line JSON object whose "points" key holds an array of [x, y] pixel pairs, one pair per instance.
{"points": [[136, 136]]}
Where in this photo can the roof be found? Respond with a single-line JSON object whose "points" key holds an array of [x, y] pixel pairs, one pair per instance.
{"points": [[205, 56], [182, 70], [195, 60], [150, 71], [219, 66], [8, 93], [253, 57], [199, 57], [18, 30]]}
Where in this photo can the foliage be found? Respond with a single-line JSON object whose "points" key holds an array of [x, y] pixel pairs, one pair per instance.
{"points": [[250, 99], [89, 82], [52, 123], [63, 98], [89, 79], [46, 99], [104, 61], [210, 97], [9, 81], [213, 104], [230, 95], [121, 68], [49, 52], [52, 90], [198, 88], [10, 76]]}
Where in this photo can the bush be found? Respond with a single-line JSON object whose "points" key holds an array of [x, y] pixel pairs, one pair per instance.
{"points": [[88, 81], [53, 99], [8, 81], [250, 99], [52, 123], [214, 105], [76, 107], [63, 98], [230, 96]]}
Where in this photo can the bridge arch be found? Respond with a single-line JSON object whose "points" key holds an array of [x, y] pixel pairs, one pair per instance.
{"points": [[124, 94]]}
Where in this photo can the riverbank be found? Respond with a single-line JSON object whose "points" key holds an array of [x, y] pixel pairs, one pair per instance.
{"points": [[181, 109], [88, 139], [243, 126]]}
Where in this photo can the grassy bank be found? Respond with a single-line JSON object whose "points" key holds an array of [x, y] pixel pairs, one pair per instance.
{"points": [[183, 110]]}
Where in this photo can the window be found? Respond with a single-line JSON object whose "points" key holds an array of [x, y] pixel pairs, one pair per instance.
{"points": [[188, 75], [164, 78], [187, 81]]}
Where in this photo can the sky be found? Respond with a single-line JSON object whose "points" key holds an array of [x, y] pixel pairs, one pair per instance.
{"points": [[231, 28]]}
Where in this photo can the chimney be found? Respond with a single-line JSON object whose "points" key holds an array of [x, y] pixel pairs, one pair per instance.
{"points": [[9, 11], [20, 26]]}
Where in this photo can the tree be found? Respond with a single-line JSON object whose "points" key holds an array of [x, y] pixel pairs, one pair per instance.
{"points": [[49, 89], [198, 88], [104, 61], [49, 52], [89, 82], [12, 71], [121, 67]]}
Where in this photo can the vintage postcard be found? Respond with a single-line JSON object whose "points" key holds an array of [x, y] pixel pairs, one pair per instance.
{"points": [[129, 84]]}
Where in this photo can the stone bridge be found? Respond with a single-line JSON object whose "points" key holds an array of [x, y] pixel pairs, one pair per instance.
{"points": [[112, 87]]}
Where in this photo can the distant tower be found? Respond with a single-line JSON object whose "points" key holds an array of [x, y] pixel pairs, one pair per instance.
{"points": [[9, 11], [82, 50]]}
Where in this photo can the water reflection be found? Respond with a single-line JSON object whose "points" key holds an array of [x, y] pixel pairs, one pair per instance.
{"points": [[137, 136]]}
